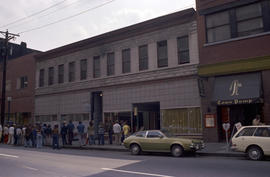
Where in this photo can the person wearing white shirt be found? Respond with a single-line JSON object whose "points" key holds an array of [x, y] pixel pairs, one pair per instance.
{"points": [[5, 134], [11, 135], [117, 132]]}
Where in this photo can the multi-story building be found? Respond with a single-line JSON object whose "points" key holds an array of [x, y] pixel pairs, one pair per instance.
{"points": [[234, 51], [145, 74], [20, 84]]}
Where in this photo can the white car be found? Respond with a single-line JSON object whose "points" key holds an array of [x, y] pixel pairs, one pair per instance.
{"points": [[253, 140]]}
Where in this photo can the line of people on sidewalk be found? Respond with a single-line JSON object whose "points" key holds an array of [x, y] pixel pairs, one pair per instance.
{"points": [[39, 135]]}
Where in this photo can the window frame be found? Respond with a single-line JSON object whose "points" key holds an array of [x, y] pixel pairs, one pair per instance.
{"points": [[50, 75], [110, 64], [96, 67], [143, 59], [71, 71], [23, 82], [183, 50], [83, 69], [126, 61], [233, 22], [61, 73], [161, 44], [41, 77]]}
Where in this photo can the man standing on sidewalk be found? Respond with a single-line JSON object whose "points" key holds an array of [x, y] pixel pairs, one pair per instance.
{"points": [[70, 132], [117, 132], [64, 133], [80, 129], [11, 135]]}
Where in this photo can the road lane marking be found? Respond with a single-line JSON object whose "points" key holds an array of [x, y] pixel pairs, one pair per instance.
{"points": [[30, 168], [7, 155], [134, 172]]}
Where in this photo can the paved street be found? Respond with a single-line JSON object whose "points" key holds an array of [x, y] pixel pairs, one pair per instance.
{"points": [[23, 162]]}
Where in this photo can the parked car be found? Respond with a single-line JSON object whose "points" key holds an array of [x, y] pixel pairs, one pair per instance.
{"points": [[253, 140], [156, 141]]}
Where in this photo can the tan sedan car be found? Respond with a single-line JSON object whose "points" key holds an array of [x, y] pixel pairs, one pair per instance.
{"points": [[253, 140], [156, 141]]}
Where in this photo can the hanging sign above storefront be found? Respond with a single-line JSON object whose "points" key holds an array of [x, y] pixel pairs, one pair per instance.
{"points": [[238, 89]]}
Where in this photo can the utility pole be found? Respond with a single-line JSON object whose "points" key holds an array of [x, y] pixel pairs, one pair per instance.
{"points": [[4, 54]]}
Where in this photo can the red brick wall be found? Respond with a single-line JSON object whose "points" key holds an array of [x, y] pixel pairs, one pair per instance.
{"points": [[22, 99]]}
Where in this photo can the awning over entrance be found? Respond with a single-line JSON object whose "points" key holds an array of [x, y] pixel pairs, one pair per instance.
{"points": [[238, 89]]}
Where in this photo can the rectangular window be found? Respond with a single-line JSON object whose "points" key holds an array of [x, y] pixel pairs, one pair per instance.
{"points": [[41, 77], [237, 22], [51, 76], [183, 50], [249, 20], [110, 64], [96, 66], [83, 64], [143, 57], [162, 53], [71, 71], [126, 61], [60, 74], [218, 27], [24, 82]]}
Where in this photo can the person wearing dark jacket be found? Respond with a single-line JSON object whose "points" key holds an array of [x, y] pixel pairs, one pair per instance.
{"points": [[64, 131]]}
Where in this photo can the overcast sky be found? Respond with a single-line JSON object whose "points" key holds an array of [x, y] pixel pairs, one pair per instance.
{"points": [[101, 16]]}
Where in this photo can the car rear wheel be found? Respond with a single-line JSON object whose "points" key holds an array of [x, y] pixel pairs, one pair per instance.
{"points": [[177, 150], [255, 153], [135, 149]]}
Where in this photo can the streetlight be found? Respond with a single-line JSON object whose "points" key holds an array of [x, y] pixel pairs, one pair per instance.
{"points": [[9, 100]]}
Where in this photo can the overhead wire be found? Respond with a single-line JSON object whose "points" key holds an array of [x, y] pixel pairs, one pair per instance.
{"points": [[66, 18], [45, 15], [31, 15]]}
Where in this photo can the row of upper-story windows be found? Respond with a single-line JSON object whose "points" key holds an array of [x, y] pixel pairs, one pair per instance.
{"points": [[238, 22], [162, 61]]}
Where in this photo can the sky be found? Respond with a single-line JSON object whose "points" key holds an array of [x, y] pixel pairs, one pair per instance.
{"points": [[96, 17]]}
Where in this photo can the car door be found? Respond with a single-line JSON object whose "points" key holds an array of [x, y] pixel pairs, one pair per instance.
{"points": [[262, 139], [244, 138], [155, 141]]}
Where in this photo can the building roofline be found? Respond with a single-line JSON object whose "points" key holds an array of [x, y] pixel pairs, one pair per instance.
{"points": [[162, 22]]}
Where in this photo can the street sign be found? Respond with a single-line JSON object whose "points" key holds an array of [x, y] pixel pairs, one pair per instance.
{"points": [[238, 125], [226, 126]]}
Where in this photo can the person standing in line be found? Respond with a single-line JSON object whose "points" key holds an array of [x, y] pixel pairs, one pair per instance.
{"points": [[23, 136], [126, 130], [34, 136], [48, 134], [11, 135], [1, 133], [39, 136], [43, 130], [64, 130], [110, 131], [55, 136], [257, 120], [101, 132], [28, 136], [70, 132], [15, 134], [91, 133], [80, 129], [6, 136], [117, 132], [19, 136]]}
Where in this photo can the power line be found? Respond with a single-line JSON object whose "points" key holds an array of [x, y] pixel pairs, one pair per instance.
{"points": [[31, 15], [45, 15], [67, 18]]}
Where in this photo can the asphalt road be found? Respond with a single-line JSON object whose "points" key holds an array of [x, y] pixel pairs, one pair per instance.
{"points": [[25, 162]]}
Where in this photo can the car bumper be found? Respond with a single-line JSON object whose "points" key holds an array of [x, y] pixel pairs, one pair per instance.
{"points": [[196, 147]]}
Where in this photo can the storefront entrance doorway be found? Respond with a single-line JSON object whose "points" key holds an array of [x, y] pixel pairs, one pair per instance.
{"points": [[237, 113], [146, 116]]}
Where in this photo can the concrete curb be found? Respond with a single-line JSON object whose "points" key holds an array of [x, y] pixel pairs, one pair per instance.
{"points": [[126, 150]]}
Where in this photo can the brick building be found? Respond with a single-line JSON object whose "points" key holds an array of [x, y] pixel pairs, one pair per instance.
{"points": [[145, 74], [20, 84], [234, 69]]}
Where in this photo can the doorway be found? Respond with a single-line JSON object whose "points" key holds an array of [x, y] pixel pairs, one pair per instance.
{"points": [[147, 116]]}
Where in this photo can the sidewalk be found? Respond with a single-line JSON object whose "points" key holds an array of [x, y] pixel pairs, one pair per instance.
{"points": [[211, 149]]}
